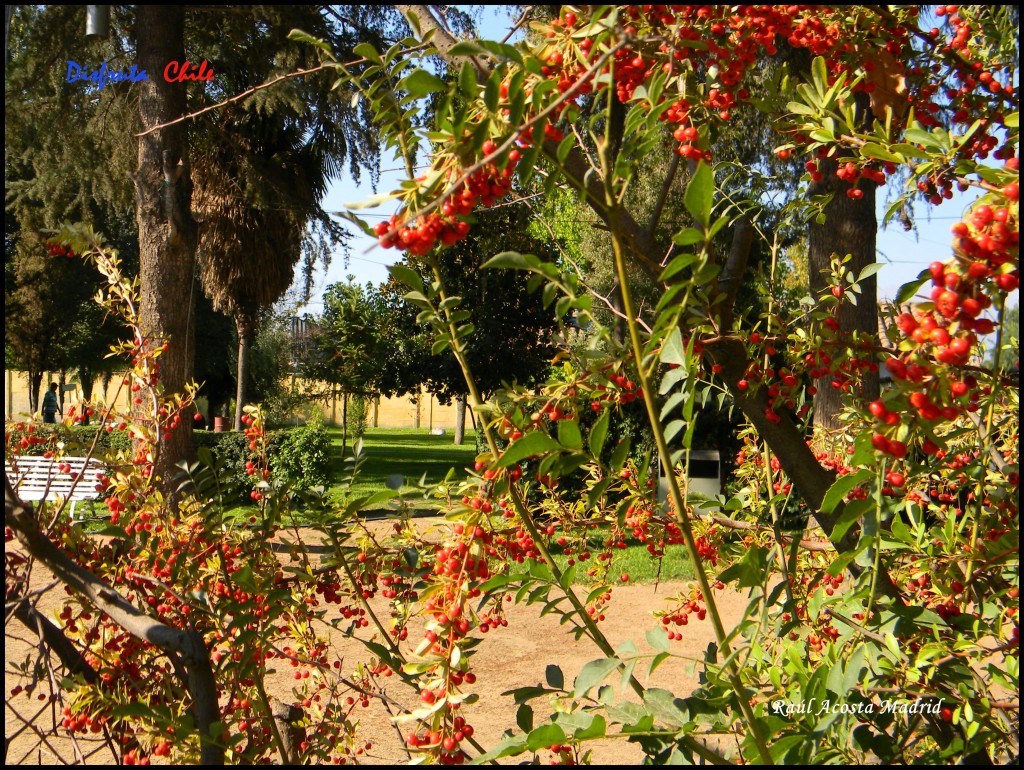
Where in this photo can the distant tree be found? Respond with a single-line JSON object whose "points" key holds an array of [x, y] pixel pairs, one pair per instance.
{"points": [[263, 166], [50, 320], [347, 347], [1008, 352], [512, 338]]}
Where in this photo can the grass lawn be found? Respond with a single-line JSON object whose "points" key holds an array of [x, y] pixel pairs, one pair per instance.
{"points": [[407, 452], [636, 561]]}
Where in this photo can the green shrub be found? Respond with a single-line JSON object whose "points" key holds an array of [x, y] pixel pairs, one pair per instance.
{"points": [[77, 439], [299, 456]]}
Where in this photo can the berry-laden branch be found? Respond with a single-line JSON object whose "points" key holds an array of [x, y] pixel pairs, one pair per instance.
{"points": [[188, 644]]}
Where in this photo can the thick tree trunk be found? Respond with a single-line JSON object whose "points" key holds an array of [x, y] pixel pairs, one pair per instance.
{"points": [[460, 420], [850, 227], [167, 232], [244, 327]]}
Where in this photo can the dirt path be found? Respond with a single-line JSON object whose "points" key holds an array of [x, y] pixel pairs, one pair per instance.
{"points": [[515, 656]]}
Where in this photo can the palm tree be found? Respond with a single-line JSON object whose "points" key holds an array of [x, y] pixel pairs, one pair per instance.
{"points": [[263, 168]]}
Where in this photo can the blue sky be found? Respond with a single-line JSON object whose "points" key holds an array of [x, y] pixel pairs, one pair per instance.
{"points": [[904, 254]]}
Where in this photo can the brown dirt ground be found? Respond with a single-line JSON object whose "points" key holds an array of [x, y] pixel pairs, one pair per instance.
{"points": [[510, 657]]}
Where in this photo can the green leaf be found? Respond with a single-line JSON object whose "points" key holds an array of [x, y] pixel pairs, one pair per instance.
{"points": [[533, 443], [407, 276], [491, 92], [512, 260], [819, 74], [893, 644], [565, 147], [658, 639], [304, 37], [855, 665], [872, 150], [800, 108], [127, 710], [664, 705], [569, 434], [372, 202], [672, 351], [678, 263], [419, 83], [911, 151], [367, 51], [467, 80], [524, 717], [554, 677], [700, 194], [592, 674], [674, 400], [544, 736], [1012, 120], [243, 576], [869, 271], [851, 514], [598, 433], [749, 570], [597, 728], [620, 454], [781, 747], [687, 237], [842, 487], [920, 136], [908, 290], [510, 746]]}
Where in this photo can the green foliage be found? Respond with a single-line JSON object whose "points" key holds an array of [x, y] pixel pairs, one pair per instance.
{"points": [[77, 440], [300, 457], [357, 415]]}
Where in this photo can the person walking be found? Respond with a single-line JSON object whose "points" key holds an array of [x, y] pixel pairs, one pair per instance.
{"points": [[50, 404]]}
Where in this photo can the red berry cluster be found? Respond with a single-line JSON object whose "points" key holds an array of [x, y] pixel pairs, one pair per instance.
{"points": [[448, 225], [946, 329], [55, 249], [622, 391], [680, 614]]}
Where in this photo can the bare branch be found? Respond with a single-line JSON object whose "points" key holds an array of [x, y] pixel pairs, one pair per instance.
{"points": [[188, 644], [237, 98]]}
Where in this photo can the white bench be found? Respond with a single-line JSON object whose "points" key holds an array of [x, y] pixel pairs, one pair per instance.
{"points": [[72, 479]]}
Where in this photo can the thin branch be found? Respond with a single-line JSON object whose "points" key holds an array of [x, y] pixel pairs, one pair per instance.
{"points": [[242, 96]]}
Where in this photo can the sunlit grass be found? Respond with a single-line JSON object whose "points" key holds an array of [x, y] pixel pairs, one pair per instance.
{"points": [[414, 455]]}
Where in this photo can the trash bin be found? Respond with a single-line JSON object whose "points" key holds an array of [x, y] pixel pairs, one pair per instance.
{"points": [[704, 477]]}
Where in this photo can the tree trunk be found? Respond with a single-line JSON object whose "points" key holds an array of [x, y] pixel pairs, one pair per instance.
{"points": [[62, 379], [460, 420], [850, 227], [167, 232], [344, 424], [35, 381], [85, 378], [244, 327]]}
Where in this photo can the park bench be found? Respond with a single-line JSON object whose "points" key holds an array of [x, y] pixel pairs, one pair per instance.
{"points": [[73, 479]]}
